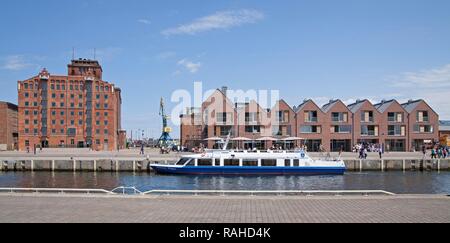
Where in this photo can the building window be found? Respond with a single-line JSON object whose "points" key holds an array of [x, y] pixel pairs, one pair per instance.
{"points": [[53, 104], [80, 96], [35, 113], [25, 85], [27, 131], [248, 129], [106, 123], [72, 105], [35, 122], [35, 103], [310, 129], [27, 112], [97, 113], [422, 116], [283, 116], [106, 97], [35, 131], [27, 103], [35, 95], [395, 117], [341, 129], [27, 143], [80, 113], [367, 116], [106, 114], [97, 141], [423, 128], [58, 87], [97, 97], [71, 87], [52, 86], [80, 122], [62, 96], [339, 116], [53, 95], [97, 123], [97, 131], [80, 105], [97, 106], [369, 130], [26, 95], [53, 131], [106, 106], [62, 104], [72, 113], [62, 131], [53, 122], [63, 87], [53, 113], [72, 122], [61, 122], [310, 116], [27, 121], [396, 130]]}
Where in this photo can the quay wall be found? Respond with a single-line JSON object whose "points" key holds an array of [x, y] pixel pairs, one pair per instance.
{"points": [[142, 165]]}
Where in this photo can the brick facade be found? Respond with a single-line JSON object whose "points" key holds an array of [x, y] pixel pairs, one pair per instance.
{"points": [[332, 127], [8, 126], [77, 110]]}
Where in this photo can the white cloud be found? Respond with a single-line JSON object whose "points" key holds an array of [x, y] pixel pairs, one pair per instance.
{"points": [[145, 21], [432, 85], [189, 65], [432, 78], [219, 20], [16, 63]]}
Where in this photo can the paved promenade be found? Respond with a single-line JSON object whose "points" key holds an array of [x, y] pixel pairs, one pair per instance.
{"points": [[218, 209]]}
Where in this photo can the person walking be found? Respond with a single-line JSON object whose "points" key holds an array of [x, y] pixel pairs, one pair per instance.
{"points": [[142, 149], [433, 153], [380, 151]]}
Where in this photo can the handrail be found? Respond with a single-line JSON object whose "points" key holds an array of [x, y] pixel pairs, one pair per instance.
{"points": [[196, 192], [55, 190], [307, 192]]}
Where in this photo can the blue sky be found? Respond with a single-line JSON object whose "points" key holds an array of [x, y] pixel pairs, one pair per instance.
{"points": [[376, 49]]}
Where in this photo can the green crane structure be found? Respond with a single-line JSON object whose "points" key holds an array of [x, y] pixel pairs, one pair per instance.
{"points": [[165, 141]]}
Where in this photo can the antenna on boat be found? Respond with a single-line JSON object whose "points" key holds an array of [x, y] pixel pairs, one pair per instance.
{"points": [[227, 142]]}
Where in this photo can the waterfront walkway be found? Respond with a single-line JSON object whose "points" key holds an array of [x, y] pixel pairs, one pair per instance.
{"points": [[220, 209]]}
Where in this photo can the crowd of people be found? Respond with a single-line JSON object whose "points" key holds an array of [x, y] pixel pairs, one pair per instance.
{"points": [[364, 148], [440, 152]]}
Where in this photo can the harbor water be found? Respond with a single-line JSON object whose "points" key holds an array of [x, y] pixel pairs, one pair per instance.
{"points": [[397, 182]]}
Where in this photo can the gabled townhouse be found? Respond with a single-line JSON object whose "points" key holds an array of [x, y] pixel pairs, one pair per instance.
{"points": [[309, 123], [393, 125]]}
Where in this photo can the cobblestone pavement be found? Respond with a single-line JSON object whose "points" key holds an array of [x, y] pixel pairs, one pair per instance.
{"points": [[217, 209]]}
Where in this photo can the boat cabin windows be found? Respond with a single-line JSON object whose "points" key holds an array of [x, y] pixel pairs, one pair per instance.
{"points": [[296, 163], [231, 162], [250, 162], [268, 162], [287, 162], [182, 161], [191, 162], [204, 162]]}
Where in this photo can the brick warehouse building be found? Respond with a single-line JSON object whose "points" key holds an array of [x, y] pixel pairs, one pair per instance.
{"points": [[335, 126], [8, 126], [77, 110]]}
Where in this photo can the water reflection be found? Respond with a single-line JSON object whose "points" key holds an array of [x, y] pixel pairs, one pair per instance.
{"points": [[398, 182]]}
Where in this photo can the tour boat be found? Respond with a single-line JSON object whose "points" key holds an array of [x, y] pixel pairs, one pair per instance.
{"points": [[229, 162]]}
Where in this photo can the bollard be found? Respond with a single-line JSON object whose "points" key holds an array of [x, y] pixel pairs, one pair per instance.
{"points": [[32, 165], [439, 165], [382, 165], [404, 165], [53, 165], [117, 165], [23, 165], [360, 165], [134, 165], [95, 165], [74, 166]]}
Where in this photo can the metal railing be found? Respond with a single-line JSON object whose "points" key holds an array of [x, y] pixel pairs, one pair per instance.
{"points": [[134, 191], [271, 192], [55, 190]]}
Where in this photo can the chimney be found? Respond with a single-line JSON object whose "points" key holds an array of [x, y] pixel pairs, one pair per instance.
{"points": [[225, 90]]}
